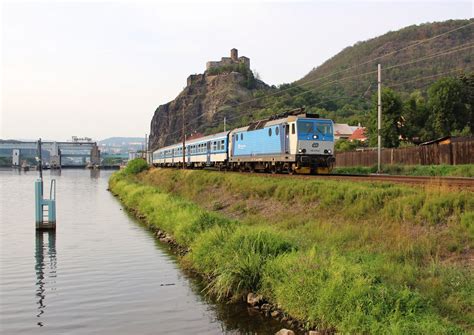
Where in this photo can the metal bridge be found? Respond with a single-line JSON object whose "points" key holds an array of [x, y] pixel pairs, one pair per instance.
{"points": [[88, 151]]}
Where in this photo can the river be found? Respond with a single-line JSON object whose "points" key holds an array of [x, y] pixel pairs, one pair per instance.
{"points": [[101, 272]]}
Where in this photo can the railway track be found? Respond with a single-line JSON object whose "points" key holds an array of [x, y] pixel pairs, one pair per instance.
{"points": [[451, 182], [461, 183]]}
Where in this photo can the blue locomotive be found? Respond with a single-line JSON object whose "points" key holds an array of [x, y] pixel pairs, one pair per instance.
{"points": [[292, 142]]}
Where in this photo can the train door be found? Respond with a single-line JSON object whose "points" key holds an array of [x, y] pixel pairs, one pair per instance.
{"points": [[188, 152], [172, 156], [208, 151], [287, 138]]}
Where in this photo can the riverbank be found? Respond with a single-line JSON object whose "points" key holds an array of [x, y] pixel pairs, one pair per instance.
{"points": [[355, 257], [464, 170]]}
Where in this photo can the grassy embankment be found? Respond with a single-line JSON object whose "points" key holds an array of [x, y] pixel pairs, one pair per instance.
{"points": [[357, 257], [465, 170]]}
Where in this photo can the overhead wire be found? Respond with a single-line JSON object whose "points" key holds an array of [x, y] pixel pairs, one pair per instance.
{"points": [[444, 52]]}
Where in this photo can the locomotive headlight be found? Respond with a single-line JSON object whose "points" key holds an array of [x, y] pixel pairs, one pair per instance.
{"points": [[315, 137], [299, 150], [329, 151]]}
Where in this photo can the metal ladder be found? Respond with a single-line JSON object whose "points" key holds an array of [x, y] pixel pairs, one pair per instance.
{"points": [[45, 214]]}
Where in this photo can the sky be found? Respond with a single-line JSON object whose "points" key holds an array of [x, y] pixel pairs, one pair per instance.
{"points": [[100, 69]]}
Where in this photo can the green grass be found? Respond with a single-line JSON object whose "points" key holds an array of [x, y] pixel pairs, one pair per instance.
{"points": [[357, 257], [465, 170]]}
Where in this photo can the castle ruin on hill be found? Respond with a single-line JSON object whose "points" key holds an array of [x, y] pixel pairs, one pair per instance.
{"points": [[234, 59]]}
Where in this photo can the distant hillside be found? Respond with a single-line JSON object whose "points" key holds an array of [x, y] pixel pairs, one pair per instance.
{"points": [[362, 52]]}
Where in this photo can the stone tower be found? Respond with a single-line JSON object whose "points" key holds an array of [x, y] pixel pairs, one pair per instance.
{"points": [[234, 54]]}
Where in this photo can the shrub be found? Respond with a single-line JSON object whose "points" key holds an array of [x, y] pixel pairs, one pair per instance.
{"points": [[136, 166], [234, 259]]}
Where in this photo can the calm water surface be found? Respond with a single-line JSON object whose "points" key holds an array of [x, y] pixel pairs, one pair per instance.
{"points": [[101, 272]]}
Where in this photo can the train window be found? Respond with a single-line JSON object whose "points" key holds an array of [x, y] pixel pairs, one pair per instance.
{"points": [[324, 128], [269, 131], [214, 146], [241, 136], [277, 130], [293, 128], [222, 144]]}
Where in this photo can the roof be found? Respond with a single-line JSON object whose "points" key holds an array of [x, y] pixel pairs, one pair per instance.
{"points": [[359, 134], [441, 139], [195, 140], [342, 129]]}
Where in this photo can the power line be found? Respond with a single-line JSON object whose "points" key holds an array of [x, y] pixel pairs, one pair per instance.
{"points": [[458, 48], [445, 52], [428, 77], [360, 64], [393, 52]]}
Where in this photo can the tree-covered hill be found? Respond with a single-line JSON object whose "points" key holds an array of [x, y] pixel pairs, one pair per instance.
{"points": [[405, 78]]}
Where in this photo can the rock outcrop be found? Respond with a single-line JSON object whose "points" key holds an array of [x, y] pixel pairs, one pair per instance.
{"points": [[204, 102]]}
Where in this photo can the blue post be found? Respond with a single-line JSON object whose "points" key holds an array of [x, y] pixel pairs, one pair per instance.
{"points": [[38, 202], [45, 209]]}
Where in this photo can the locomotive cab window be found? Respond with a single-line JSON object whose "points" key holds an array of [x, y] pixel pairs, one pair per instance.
{"points": [[324, 128], [236, 137], [241, 136], [269, 131], [305, 127], [277, 130], [293, 128]]}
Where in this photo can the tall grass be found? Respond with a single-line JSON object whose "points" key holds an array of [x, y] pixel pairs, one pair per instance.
{"points": [[357, 257], [464, 170], [330, 290]]}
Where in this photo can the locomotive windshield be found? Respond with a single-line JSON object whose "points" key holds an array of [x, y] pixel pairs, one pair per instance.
{"points": [[324, 129], [315, 129]]}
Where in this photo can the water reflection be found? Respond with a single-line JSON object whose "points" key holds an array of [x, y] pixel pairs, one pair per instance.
{"points": [[55, 172], [45, 269], [95, 173]]}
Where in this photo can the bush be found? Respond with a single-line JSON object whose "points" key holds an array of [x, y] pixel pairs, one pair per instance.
{"points": [[234, 259], [136, 166]]}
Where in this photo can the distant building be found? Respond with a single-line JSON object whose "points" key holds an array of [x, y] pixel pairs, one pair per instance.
{"points": [[351, 133], [360, 134], [233, 59], [342, 130]]}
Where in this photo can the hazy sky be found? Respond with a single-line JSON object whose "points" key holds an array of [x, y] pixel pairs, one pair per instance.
{"points": [[100, 69]]}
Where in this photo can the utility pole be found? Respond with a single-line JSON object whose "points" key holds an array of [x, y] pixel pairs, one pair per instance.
{"points": [[40, 164], [379, 118], [146, 147], [224, 124], [184, 143]]}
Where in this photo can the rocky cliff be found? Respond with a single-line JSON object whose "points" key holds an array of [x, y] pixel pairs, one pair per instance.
{"points": [[204, 102]]}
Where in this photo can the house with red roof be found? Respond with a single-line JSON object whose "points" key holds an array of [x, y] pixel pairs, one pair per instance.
{"points": [[360, 134]]}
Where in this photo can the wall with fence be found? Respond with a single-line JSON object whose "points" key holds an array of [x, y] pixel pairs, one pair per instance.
{"points": [[456, 151]]}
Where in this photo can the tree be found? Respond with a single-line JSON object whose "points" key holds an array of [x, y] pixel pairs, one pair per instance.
{"points": [[415, 127], [447, 99], [342, 145], [392, 108]]}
